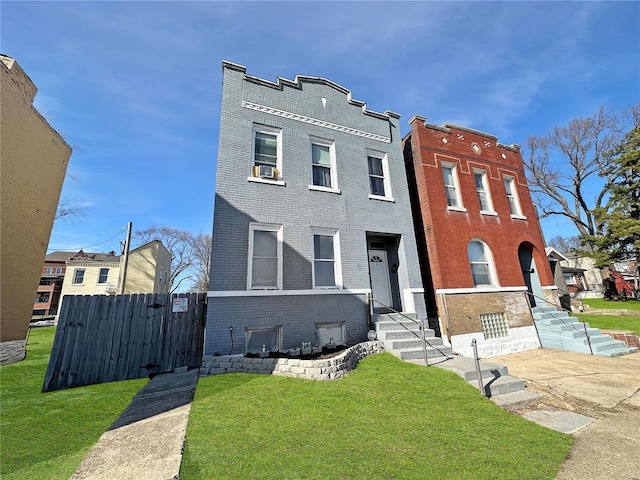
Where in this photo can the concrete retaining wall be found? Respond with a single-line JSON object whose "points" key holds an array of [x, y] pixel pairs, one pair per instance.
{"points": [[324, 369]]}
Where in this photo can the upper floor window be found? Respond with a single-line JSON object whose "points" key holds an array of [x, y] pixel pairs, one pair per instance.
{"points": [[452, 189], [78, 276], [482, 188], [49, 270], [326, 259], [480, 262], [323, 165], [512, 197], [58, 270], [379, 185], [103, 275], [265, 257], [267, 153]]}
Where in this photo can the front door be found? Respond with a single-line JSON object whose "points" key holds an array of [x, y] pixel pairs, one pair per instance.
{"points": [[380, 281]]}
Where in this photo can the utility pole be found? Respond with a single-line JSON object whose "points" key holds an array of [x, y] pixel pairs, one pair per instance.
{"points": [[125, 260]]}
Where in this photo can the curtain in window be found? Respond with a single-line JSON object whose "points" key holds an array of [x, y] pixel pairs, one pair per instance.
{"points": [[376, 176], [324, 261], [479, 264], [264, 270], [266, 149], [321, 158], [449, 185], [482, 194]]}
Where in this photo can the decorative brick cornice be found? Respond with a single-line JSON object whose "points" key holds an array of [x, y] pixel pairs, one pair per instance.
{"points": [[314, 121]]}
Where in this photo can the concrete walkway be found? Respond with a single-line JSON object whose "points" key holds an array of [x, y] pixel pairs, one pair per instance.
{"points": [[146, 441], [604, 389]]}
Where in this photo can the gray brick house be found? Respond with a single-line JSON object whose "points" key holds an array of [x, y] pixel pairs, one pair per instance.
{"points": [[312, 212]]}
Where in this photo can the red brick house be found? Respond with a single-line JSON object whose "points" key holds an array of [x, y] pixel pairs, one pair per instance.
{"points": [[50, 285], [482, 252]]}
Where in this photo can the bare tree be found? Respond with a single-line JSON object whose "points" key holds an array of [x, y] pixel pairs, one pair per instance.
{"points": [[69, 210], [560, 165], [179, 244], [565, 244], [201, 246]]}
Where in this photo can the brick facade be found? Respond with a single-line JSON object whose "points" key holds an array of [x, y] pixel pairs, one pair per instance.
{"points": [[299, 112], [507, 228], [33, 164]]}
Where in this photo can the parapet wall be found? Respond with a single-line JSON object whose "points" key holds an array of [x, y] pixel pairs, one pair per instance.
{"points": [[323, 369]]}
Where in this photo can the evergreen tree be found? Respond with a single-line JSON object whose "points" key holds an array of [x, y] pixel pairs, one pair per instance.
{"points": [[620, 217]]}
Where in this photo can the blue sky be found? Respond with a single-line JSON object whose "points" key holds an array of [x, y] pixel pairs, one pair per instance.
{"points": [[135, 87]]}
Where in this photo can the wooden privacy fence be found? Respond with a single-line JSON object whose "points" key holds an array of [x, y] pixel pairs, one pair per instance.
{"points": [[104, 338]]}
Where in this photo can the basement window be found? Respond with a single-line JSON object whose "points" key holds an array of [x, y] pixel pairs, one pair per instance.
{"points": [[494, 325]]}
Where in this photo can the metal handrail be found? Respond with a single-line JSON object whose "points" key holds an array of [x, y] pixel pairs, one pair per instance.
{"points": [[565, 323], [420, 323]]}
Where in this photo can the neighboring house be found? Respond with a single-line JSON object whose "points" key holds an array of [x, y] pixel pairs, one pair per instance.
{"points": [[33, 163], [312, 213], [482, 250], [626, 276], [101, 273], [565, 278], [50, 287], [581, 275]]}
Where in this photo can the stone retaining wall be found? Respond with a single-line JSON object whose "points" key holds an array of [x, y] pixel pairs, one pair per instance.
{"points": [[324, 369]]}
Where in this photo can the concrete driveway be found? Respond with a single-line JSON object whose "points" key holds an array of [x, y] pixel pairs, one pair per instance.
{"points": [[606, 389]]}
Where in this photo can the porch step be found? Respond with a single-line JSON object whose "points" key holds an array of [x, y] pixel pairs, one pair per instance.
{"points": [[503, 389], [402, 336], [559, 331]]}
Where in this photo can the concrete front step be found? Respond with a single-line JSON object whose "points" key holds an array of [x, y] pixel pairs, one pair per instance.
{"points": [[507, 391], [413, 343], [418, 353], [516, 400], [499, 385], [408, 325]]}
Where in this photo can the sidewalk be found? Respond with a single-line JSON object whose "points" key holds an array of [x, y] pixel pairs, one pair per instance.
{"points": [[146, 441], [603, 388]]}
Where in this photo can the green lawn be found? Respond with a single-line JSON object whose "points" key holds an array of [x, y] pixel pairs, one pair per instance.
{"points": [[611, 322], [387, 419], [602, 304], [46, 435]]}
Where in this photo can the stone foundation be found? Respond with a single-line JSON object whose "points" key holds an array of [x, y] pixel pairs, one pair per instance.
{"points": [[12, 352], [324, 369]]}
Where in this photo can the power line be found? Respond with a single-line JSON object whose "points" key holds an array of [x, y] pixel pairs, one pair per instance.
{"points": [[89, 246]]}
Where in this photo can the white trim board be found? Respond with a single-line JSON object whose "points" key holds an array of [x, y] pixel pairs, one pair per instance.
{"points": [[280, 293]]}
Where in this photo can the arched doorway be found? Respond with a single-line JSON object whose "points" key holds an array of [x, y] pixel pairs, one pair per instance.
{"points": [[530, 274]]}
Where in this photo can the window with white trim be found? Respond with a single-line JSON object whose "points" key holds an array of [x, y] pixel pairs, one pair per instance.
{"points": [[264, 270], [379, 184], [482, 188], [266, 153], [78, 276], [49, 270], [569, 278], [480, 263], [512, 196], [451, 186], [103, 275], [323, 164], [58, 270], [326, 259]]}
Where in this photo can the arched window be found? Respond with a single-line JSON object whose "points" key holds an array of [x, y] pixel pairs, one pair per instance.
{"points": [[480, 262]]}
